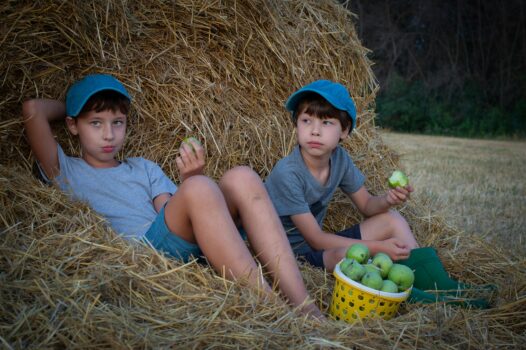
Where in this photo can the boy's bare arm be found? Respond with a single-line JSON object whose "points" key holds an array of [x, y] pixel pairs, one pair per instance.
{"points": [[37, 115], [317, 238], [370, 205], [321, 240]]}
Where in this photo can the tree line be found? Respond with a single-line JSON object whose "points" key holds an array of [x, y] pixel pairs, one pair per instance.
{"points": [[447, 67]]}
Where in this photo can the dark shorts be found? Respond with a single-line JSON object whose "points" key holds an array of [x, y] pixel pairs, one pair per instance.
{"points": [[315, 257]]}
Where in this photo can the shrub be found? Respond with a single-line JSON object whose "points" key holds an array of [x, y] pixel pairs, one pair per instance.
{"points": [[411, 107]]}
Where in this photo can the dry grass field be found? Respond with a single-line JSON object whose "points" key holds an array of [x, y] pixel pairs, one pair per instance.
{"points": [[479, 186]]}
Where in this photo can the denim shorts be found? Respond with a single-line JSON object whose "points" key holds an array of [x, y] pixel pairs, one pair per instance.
{"points": [[315, 257], [161, 238]]}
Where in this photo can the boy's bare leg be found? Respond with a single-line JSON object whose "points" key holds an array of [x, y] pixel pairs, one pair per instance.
{"points": [[388, 225], [248, 201], [382, 227], [198, 213]]}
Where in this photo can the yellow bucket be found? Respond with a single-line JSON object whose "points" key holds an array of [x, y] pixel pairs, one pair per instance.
{"points": [[352, 301]]}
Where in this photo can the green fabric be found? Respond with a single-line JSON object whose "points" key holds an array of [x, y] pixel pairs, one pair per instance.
{"points": [[429, 271], [425, 297], [430, 274]]}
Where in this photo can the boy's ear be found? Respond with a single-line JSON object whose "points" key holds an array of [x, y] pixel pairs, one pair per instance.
{"points": [[345, 133], [72, 125]]}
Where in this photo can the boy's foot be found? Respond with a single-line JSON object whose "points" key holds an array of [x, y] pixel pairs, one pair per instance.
{"points": [[312, 311]]}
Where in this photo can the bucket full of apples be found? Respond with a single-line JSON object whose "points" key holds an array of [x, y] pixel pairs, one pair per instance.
{"points": [[368, 287]]}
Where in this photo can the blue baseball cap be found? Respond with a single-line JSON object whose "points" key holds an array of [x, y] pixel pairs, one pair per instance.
{"points": [[80, 92], [335, 93]]}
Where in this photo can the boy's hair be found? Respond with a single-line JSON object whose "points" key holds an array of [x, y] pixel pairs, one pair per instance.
{"points": [[107, 100], [315, 105]]}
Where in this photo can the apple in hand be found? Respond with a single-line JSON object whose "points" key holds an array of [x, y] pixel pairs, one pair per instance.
{"points": [[398, 179], [389, 287], [402, 276], [188, 140], [358, 252], [372, 280], [354, 271], [383, 262]]}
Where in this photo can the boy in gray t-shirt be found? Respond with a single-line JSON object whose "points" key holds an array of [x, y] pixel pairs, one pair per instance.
{"points": [[302, 184], [141, 203], [294, 190]]}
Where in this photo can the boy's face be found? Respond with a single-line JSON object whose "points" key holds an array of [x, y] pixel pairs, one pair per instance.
{"points": [[319, 137], [101, 136]]}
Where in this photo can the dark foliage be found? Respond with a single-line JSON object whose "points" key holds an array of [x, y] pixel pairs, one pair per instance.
{"points": [[460, 64]]}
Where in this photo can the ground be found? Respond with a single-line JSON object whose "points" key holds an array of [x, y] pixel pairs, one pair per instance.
{"points": [[477, 185]]}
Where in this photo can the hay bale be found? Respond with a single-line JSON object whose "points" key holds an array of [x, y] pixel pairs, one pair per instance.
{"points": [[220, 71]]}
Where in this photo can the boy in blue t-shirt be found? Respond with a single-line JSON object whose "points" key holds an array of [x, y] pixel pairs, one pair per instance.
{"points": [[302, 184], [140, 202]]}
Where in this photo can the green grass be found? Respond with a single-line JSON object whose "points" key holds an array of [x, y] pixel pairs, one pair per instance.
{"points": [[477, 185]]}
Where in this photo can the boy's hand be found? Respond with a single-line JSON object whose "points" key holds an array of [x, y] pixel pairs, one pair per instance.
{"points": [[395, 249], [398, 195], [191, 160]]}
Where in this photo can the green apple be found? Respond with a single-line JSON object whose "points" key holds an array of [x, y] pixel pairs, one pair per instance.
{"points": [[372, 280], [354, 271], [344, 264], [372, 268], [389, 287], [398, 179], [402, 276], [358, 252], [383, 262], [188, 140]]}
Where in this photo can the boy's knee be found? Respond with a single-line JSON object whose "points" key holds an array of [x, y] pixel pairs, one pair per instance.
{"points": [[241, 184], [401, 229], [198, 187], [240, 175], [396, 220]]}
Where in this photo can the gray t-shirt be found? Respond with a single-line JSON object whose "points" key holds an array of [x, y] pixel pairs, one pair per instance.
{"points": [[294, 190], [123, 194]]}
